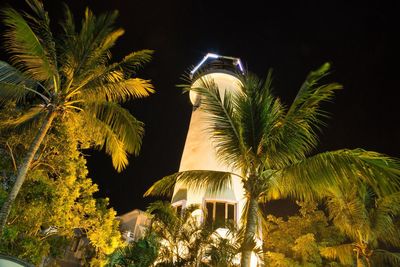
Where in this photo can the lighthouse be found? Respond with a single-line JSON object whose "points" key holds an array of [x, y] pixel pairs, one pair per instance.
{"points": [[200, 153]]}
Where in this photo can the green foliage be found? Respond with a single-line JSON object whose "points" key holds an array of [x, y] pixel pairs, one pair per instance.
{"points": [[70, 76], [370, 222], [184, 241], [57, 195], [298, 240], [140, 253]]}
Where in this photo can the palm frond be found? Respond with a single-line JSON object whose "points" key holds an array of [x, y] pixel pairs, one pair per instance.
{"points": [[212, 181], [259, 115], [306, 96], [319, 172], [68, 23], [383, 257], [298, 131], [85, 50], [383, 219], [163, 187], [26, 117], [117, 89], [13, 84], [222, 122], [133, 61], [40, 23], [126, 127], [347, 210], [118, 131], [29, 46], [163, 211], [343, 253]]}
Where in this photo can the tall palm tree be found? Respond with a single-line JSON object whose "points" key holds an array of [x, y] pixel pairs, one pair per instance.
{"points": [[71, 76], [368, 221], [271, 145]]}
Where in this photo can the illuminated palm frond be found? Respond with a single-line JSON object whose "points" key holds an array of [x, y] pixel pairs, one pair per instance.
{"points": [[128, 129], [212, 181], [343, 253], [33, 113], [297, 135], [31, 49], [163, 187], [223, 124], [260, 115], [120, 132], [14, 86], [87, 49], [318, 172], [117, 89], [383, 219], [383, 257]]}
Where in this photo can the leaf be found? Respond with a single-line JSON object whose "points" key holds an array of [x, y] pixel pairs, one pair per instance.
{"points": [[344, 253], [29, 49], [318, 172], [13, 85], [26, 117], [222, 122]]}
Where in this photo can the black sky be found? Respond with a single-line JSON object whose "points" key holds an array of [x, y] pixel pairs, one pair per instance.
{"points": [[292, 37]]}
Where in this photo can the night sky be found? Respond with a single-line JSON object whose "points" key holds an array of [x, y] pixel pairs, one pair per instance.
{"points": [[292, 37]]}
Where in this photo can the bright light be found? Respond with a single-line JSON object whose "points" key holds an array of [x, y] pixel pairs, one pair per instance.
{"points": [[240, 65], [253, 261], [237, 62], [209, 55]]}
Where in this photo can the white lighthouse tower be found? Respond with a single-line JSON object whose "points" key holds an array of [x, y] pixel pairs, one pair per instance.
{"points": [[199, 152]]}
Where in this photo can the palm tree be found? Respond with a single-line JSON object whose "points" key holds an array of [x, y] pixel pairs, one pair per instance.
{"points": [[140, 253], [368, 221], [271, 145], [183, 238], [186, 241], [71, 77]]}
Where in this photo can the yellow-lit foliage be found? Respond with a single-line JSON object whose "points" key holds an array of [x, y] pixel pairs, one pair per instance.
{"points": [[297, 241], [57, 194]]}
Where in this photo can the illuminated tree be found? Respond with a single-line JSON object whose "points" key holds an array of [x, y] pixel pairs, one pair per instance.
{"points": [[271, 145], [369, 221], [297, 240], [56, 199], [71, 76]]}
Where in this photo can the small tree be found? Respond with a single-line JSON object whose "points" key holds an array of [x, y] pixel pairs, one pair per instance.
{"points": [[56, 199], [298, 239]]}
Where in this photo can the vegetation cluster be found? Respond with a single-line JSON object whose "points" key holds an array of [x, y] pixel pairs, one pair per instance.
{"points": [[61, 94]]}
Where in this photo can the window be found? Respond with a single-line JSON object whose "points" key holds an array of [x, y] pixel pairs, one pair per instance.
{"points": [[219, 212], [179, 209], [179, 206]]}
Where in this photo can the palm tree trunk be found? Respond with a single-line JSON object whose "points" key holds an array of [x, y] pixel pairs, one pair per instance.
{"points": [[249, 234], [24, 167]]}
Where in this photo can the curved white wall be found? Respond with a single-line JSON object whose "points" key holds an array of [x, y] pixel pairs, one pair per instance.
{"points": [[199, 151]]}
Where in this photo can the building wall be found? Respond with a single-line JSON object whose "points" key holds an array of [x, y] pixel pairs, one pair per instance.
{"points": [[200, 154]]}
